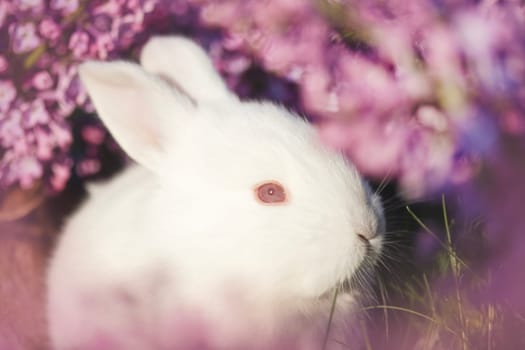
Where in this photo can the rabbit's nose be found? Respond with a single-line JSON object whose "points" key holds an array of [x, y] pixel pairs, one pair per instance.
{"points": [[366, 236], [362, 238]]}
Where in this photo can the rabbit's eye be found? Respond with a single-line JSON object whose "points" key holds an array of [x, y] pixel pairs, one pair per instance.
{"points": [[270, 193]]}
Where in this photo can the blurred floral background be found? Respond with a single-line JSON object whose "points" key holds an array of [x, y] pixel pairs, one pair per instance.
{"points": [[427, 97]]}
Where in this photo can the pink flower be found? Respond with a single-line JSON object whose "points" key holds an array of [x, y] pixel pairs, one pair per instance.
{"points": [[112, 8], [513, 123], [127, 28], [49, 29], [363, 85], [237, 65], [28, 169], [68, 90], [233, 41], [29, 4], [316, 90], [432, 118], [88, 167], [7, 95], [61, 173], [103, 44], [375, 147], [143, 5], [79, 43], [24, 37], [65, 6], [44, 144], [36, 114], [434, 155], [21, 146], [102, 22], [94, 135], [279, 52], [217, 14], [42, 80], [440, 51], [61, 135], [11, 128]]}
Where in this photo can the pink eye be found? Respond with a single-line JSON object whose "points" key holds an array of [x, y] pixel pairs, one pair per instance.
{"points": [[270, 193]]}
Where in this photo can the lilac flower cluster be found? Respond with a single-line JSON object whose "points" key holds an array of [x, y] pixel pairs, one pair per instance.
{"points": [[41, 43]]}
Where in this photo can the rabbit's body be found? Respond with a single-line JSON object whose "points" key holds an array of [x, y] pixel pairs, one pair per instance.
{"points": [[192, 230]]}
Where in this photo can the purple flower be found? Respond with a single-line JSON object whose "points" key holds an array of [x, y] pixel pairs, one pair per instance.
{"points": [[79, 44], [128, 25], [65, 6], [44, 144], [24, 37], [29, 169], [103, 45], [61, 135], [237, 65], [7, 95], [374, 146], [21, 146], [29, 4], [49, 29], [94, 135], [67, 89], [102, 22], [88, 167], [61, 173], [112, 8], [42, 80], [36, 114], [11, 128]]}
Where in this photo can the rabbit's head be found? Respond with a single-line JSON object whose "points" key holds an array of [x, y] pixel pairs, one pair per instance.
{"points": [[245, 190]]}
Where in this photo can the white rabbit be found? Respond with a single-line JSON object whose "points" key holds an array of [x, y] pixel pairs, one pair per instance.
{"points": [[236, 216]]}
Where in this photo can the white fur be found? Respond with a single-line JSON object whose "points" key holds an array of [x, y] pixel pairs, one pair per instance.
{"points": [[184, 63], [183, 231]]}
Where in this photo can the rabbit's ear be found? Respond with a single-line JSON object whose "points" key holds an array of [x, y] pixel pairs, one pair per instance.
{"points": [[185, 65], [140, 110]]}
